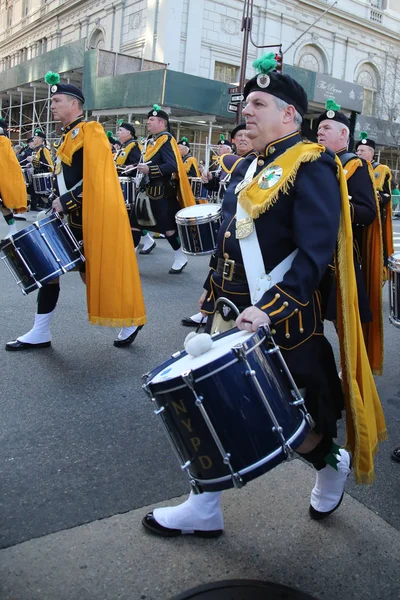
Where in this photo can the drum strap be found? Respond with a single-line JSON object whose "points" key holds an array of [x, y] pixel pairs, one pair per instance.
{"points": [[258, 280]]}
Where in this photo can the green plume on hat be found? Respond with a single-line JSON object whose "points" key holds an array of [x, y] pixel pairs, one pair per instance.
{"points": [[156, 107], [266, 63], [37, 130], [184, 139], [221, 137], [120, 121], [109, 134], [330, 104], [52, 78], [363, 135]]}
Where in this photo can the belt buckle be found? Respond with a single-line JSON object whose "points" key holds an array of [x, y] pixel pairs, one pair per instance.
{"points": [[227, 271]]}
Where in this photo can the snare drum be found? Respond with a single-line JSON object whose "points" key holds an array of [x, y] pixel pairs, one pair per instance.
{"points": [[27, 173], [42, 183], [39, 253], [394, 288], [198, 228], [232, 413], [197, 187], [128, 190]]}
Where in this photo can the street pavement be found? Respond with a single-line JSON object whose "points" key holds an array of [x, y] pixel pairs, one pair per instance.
{"points": [[79, 444]]}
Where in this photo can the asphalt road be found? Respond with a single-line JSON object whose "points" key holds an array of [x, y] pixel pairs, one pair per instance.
{"points": [[78, 437]]}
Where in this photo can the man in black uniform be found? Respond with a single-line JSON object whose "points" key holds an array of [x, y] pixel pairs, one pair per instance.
{"points": [[87, 190], [334, 132], [41, 161], [242, 145], [190, 162], [365, 148], [164, 195], [128, 155], [295, 225]]}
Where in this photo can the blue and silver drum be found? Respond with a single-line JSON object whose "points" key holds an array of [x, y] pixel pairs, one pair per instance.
{"points": [[232, 413], [394, 289], [40, 252], [27, 173], [198, 228], [42, 183], [128, 190]]}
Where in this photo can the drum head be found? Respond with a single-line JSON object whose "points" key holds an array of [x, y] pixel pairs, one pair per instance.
{"points": [[199, 211], [220, 347]]}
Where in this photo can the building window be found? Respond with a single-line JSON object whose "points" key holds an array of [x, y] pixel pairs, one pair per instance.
{"points": [[226, 73], [97, 40], [312, 59], [368, 78], [25, 8], [10, 16]]}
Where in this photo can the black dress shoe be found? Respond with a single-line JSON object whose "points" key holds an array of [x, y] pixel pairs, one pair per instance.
{"points": [[18, 345], [19, 218], [127, 341], [188, 322], [176, 271], [148, 249], [316, 515], [151, 525], [396, 454]]}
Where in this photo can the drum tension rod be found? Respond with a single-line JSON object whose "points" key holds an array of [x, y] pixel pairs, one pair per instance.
{"points": [[188, 378], [240, 352]]}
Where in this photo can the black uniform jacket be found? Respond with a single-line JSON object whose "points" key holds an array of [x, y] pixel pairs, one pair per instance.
{"points": [[306, 218], [73, 176]]}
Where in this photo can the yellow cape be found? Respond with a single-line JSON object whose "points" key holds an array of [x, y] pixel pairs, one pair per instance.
{"points": [[12, 183], [365, 423], [113, 289], [185, 194]]}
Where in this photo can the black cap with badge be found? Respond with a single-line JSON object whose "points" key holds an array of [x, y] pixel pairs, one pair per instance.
{"points": [[53, 80], [39, 133], [184, 142], [128, 126], [365, 141], [277, 84], [333, 113], [223, 141], [157, 111]]}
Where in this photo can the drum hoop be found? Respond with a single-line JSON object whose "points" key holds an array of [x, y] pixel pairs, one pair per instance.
{"points": [[257, 464], [190, 221], [199, 379], [126, 180], [37, 175]]}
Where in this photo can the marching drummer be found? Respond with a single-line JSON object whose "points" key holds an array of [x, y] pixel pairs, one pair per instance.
{"points": [[41, 161], [166, 185], [282, 215], [92, 199], [13, 198], [128, 155]]}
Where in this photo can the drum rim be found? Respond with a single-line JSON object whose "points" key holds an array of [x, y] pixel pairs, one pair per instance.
{"points": [[216, 210], [37, 175], [125, 179], [227, 364], [268, 458]]}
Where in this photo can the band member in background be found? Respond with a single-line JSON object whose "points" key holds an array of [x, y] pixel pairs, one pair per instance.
{"points": [[13, 198], [166, 185], [295, 197], [41, 162], [25, 160], [215, 179], [128, 155], [88, 192], [190, 162], [334, 133], [242, 145], [365, 148]]}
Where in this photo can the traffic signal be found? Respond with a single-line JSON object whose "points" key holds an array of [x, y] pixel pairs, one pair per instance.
{"points": [[279, 60]]}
